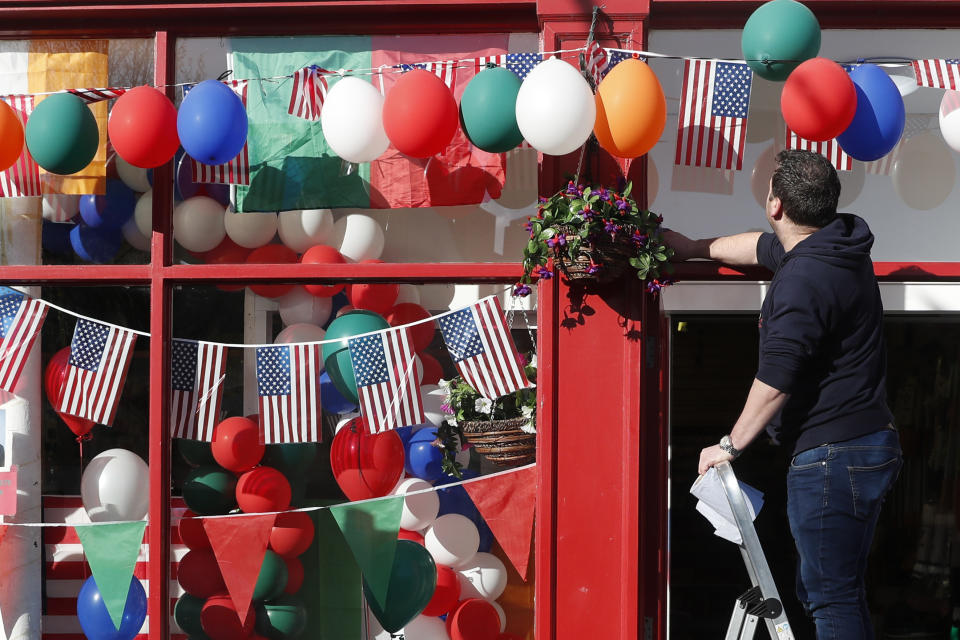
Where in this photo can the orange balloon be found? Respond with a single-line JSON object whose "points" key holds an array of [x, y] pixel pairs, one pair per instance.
{"points": [[11, 136], [631, 110]]}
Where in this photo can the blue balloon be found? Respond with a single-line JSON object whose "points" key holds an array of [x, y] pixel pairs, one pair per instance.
{"points": [[111, 210], [421, 458], [332, 400], [95, 245], [212, 123], [878, 123], [55, 237], [96, 621]]}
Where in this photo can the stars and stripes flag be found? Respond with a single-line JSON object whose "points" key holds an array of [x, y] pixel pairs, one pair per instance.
{"points": [[446, 70], [829, 149], [288, 383], [309, 92], [712, 125], [481, 346], [939, 73], [197, 370], [387, 386], [92, 95], [481, 63], [23, 178], [100, 356], [616, 56], [237, 171], [523, 63], [597, 61], [21, 318]]}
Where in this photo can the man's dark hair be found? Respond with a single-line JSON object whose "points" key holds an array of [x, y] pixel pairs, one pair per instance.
{"points": [[808, 187]]}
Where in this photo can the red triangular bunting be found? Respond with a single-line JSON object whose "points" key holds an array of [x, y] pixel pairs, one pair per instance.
{"points": [[507, 503], [239, 545]]}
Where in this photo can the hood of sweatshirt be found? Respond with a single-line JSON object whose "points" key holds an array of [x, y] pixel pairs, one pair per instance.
{"points": [[845, 242]]}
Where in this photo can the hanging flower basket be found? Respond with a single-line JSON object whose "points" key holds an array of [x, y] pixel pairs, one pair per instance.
{"points": [[612, 255], [502, 441]]}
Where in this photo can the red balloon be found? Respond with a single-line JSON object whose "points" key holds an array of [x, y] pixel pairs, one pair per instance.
{"points": [[378, 298], [272, 254], [446, 595], [322, 254], [292, 534], [818, 100], [420, 114], [508, 636], [365, 465], [473, 619], [294, 575], [432, 369], [263, 489], [192, 533], [421, 334], [199, 574], [236, 444], [143, 127], [220, 620], [412, 536], [227, 252], [53, 379]]}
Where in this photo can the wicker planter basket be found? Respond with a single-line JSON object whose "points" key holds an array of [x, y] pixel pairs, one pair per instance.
{"points": [[614, 255], [502, 441]]}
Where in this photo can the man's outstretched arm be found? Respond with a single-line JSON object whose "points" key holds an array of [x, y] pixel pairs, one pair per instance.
{"points": [[736, 250]]}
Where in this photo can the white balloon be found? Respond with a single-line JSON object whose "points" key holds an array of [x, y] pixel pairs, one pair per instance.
{"points": [[300, 332], [419, 510], [433, 396], [143, 213], [301, 229], [556, 109], [347, 417], [198, 224], [467, 590], [131, 233], [501, 613], [299, 306], [250, 230], [133, 177], [425, 628], [60, 208], [924, 173], [949, 119], [452, 540], [116, 486], [358, 237], [487, 574], [352, 120], [407, 293]]}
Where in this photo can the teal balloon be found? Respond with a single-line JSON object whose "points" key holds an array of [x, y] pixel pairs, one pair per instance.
{"points": [[197, 453], [62, 134], [290, 459], [187, 614], [412, 583], [336, 355], [281, 619], [272, 579], [210, 491], [780, 30], [488, 110]]}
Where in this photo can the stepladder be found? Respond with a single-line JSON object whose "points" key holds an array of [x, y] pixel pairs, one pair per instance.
{"points": [[761, 603]]}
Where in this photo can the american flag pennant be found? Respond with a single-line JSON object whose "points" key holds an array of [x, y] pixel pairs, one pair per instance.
{"points": [[237, 171], [309, 92], [523, 63], [288, 383], [446, 70], [97, 95], [387, 386], [21, 318], [616, 56], [481, 63], [23, 178], [483, 350], [829, 149], [100, 356], [597, 61], [197, 370], [939, 73], [712, 124]]}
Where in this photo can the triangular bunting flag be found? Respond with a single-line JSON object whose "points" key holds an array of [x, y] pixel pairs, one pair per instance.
{"points": [[112, 551], [507, 503], [371, 528], [239, 545]]}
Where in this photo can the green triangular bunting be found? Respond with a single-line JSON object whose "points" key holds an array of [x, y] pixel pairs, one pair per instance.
{"points": [[112, 551], [371, 528]]}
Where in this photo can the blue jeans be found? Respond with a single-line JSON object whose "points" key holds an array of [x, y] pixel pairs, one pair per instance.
{"points": [[834, 494]]}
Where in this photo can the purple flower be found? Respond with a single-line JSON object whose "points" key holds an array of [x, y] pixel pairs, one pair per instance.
{"points": [[446, 408], [528, 227], [654, 286], [602, 193], [610, 226], [571, 188], [555, 241], [589, 214], [593, 269], [622, 205], [639, 239], [543, 273], [522, 290], [542, 200], [523, 359]]}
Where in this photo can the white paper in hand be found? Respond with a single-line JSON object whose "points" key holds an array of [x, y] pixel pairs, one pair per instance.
{"points": [[715, 507]]}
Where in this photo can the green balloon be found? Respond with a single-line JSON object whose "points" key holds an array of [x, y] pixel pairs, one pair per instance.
{"points": [[336, 355], [197, 453], [291, 459], [272, 579], [413, 580], [187, 614], [488, 110], [210, 491], [62, 134], [281, 619], [780, 30]]}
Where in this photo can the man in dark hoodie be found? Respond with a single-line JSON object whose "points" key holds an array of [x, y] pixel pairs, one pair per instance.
{"points": [[820, 383]]}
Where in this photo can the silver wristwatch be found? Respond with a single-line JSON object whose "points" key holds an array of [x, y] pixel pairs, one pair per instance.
{"points": [[727, 445]]}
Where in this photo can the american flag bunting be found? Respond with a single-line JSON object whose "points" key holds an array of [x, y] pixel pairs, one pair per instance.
{"points": [[21, 318], [446, 70], [288, 383], [597, 61], [616, 56], [939, 73], [197, 370], [100, 356], [830, 149], [483, 350], [387, 386], [92, 95], [23, 178], [712, 124], [523, 63], [483, 62], [237, 171], [309, 92]]}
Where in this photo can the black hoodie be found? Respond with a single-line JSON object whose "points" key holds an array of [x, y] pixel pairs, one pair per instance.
{"points": [[821, 336]]}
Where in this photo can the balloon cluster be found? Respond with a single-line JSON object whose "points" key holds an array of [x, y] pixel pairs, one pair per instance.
{"points": [[237, 470]]}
